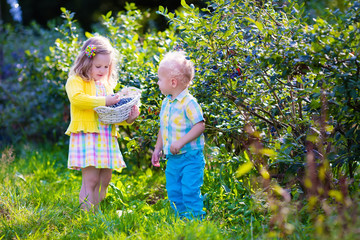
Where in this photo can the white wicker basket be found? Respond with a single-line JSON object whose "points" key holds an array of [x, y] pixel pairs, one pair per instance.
{"points": [[110, 115]]}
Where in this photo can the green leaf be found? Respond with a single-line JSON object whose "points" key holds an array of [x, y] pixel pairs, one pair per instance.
{"points": [[258, 24], [289, 129], [108, 14], [243, 169], [337, 195], [161, 9], [149, 172], [88, 35], [63, 10], [268, 152], [135, 38], [184, 4], [246, 156]]}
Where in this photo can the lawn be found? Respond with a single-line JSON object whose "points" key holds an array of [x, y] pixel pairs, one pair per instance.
{"points": [[39, 200]]}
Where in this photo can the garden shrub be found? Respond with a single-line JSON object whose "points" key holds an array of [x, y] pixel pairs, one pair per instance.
{"points": [[31, 104], [280, 87], [264, 72]]}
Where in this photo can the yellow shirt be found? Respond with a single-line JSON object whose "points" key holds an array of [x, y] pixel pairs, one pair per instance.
{"points": [[83, 100]]}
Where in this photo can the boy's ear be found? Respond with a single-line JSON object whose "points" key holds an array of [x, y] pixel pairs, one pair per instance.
{"points": [[174, 82]]}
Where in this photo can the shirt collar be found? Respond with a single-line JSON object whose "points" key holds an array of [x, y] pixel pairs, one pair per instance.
{"points": [[181, 96]]}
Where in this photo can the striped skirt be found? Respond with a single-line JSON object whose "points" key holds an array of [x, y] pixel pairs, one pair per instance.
{"points": [[100, 150]]}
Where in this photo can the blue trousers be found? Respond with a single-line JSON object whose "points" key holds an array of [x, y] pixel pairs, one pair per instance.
{"points": [[184, 177]]}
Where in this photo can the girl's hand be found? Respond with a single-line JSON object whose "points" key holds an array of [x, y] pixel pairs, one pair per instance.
{"points": [[112, 99], [133, 114]]}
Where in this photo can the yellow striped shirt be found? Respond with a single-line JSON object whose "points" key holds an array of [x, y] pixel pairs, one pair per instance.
{"points": [[177, 117]]}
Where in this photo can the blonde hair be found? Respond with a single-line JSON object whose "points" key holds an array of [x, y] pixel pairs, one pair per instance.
{"points": [[82, 65], [181, 67]]}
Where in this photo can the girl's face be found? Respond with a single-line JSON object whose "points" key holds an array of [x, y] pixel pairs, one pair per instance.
{"points": [[164, 81], [100, 67]]}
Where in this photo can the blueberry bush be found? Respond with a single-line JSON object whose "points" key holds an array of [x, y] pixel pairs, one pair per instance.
{"points": [[281, 89]]}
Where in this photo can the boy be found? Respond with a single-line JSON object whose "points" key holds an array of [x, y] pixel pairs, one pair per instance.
{"points": [[181, 136]]}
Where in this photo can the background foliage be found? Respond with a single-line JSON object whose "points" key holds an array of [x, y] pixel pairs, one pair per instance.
{"points": [[279, 90]]}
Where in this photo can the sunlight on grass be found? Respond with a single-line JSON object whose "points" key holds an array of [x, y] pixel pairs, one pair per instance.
{"points": [[39, 199]]}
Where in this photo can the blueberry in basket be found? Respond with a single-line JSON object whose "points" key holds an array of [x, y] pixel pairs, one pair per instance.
{"points": [[121, 102]]}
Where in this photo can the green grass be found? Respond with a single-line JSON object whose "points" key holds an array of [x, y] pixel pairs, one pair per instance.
{"points": [[39, 200]]}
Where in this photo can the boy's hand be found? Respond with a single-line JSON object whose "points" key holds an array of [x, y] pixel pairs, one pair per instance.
{"points": [[195, 132], [155, 158], [176, 147], [133, 114]]}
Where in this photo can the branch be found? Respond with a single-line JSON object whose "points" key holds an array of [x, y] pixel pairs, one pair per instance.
{"points": [[273, 92], [232, 98]]}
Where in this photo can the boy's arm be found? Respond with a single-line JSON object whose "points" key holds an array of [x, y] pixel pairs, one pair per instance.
{"points": [[194, 133], [157, 151]]}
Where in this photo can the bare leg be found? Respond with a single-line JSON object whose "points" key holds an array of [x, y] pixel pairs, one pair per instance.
{"points": [[90, 181], [105, 177]]}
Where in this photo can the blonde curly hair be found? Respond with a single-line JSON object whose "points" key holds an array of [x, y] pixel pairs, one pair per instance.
{"points": [[180, 66]]}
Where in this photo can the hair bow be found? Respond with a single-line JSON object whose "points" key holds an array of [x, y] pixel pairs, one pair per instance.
{"points": [[90, 51]]}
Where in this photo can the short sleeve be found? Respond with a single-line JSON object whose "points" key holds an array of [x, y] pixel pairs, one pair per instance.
{"points": [[194, 112]]}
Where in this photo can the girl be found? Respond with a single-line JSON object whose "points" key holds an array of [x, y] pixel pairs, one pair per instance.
{"points": [[93, 146]]}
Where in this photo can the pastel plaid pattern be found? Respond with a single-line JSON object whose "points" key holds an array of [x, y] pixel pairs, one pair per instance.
{"points": [[177, 117], [100, 150]]}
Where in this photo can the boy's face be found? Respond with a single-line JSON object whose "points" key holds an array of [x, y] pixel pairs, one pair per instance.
{"points": [[164, 81], [100, 67]]}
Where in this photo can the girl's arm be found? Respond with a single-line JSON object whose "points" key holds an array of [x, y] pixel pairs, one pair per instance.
{"points": [[194, 133], [133, 114], [75, 91], [132, 117]]}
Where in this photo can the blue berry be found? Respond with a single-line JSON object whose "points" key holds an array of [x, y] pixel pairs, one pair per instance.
{"points": [[121, 102]]}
